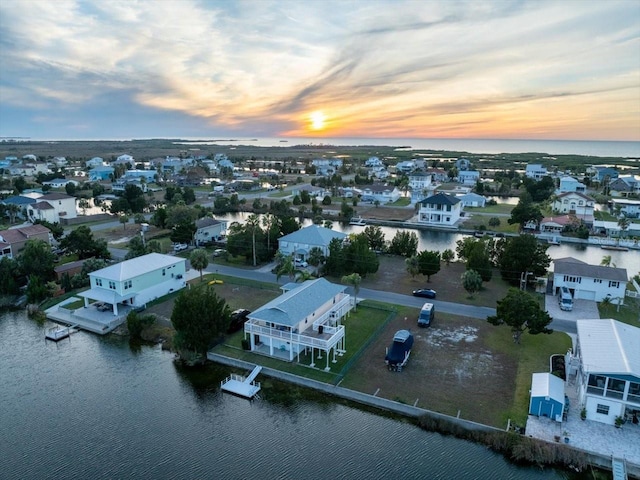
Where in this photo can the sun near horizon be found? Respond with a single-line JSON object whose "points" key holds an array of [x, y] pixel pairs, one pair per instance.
{"points": [[317, 120]]}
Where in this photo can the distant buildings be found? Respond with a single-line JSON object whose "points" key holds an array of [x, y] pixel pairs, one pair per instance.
{"points": [[535, 171]]}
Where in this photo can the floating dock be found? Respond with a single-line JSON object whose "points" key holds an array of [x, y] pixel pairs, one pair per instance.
{"points": [[59, 333], [245, 387]]}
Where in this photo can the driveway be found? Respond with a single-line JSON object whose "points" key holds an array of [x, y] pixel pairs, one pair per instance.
{"points": [[582, 309]]}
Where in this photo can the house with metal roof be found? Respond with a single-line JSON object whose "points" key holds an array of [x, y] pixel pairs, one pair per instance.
{"points": [[209, 229], [607, 367], [137, 281], [307, 318], [381, 193], [472, 199], [589, 282], [535, 171], [440, 209], [300, 242]]}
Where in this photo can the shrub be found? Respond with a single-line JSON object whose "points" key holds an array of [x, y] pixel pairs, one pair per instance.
{"points": [[137, 323], [494, 222]]}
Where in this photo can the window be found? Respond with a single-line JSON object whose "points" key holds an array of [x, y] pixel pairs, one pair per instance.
{"points": [[614, 284], [597, 280], [164, 272], [572, 279], [99, 282], [128, 284], [603, 409], [112, 285]]}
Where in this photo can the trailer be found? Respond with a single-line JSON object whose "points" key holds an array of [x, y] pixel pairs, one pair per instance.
{"points": [[397, 355]]}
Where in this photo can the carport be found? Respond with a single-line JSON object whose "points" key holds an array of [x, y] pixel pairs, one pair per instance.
{"points": [[547, 396]]}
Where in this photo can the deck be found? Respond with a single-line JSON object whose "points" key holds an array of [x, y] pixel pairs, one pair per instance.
{"points": [[241, 386]]}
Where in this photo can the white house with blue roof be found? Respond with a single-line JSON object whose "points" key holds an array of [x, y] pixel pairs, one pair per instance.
{"points": [[137, 281], [299, 243], [305, 318]]}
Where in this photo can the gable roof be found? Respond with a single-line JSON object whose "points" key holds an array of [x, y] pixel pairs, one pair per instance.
{"points": [[440, 199], [582, 195], [293, 306], [42, 206], [609, 346], [55, 196], [136, 267], [207, 222], [313, 235], [18, 200], [547, 385], [573, 266], [20, 234], [471, 196]]}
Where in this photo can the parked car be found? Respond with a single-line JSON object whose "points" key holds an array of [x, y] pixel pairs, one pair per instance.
{"points": [[424, 292], [238, 317], [178, 247], [218, 252], [300, 263]]}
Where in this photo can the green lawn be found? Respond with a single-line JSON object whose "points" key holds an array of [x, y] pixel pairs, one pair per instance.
{"points": [[401, 202], [500, 208], [532, 355], [475, 221], [627, 313], [604, 216]]}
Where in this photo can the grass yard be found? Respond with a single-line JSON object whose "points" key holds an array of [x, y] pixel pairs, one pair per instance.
{"points": [[401, 202], [499, 208], [475, 221], [628, 313]]}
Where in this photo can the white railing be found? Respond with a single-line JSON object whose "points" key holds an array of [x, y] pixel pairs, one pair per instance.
{"points": [[333, 313], [289, 336]]}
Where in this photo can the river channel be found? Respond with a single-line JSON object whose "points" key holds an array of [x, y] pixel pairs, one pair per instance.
{"points": [[94, 407]]}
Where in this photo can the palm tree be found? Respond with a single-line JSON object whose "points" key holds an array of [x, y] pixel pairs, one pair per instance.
{"points": [[316, 258], [286, 267], [354, 280], [623, 223], [199, 260], [606, 261], [253, 222], [269, 220], [13, 211], [303, 276]]}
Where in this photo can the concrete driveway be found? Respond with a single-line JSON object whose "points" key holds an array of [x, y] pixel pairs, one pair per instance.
{"points": [[582, 309]]}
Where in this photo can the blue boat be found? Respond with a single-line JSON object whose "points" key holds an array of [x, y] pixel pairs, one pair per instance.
{"points": [[399, 351]]}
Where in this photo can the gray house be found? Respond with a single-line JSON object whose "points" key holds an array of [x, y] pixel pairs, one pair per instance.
{"points": [[300, 243]]}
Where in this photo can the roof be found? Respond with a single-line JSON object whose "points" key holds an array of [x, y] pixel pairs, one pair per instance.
{"points": [[566, 194], [609, 346], [380, 188], [471, 195], [136, 267], [573, 266], [18, 200], [559, 220], [440, 199], [313, 235], [295, 305], [55, 196], [207, 222], [42, 206], [547, 385], [21, 234]]}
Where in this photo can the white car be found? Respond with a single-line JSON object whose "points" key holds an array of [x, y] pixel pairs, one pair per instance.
{"points": [[300, 263], [178, 247]]}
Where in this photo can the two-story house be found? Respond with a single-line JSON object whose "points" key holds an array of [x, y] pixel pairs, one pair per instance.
{"points": [[419, 181], [625, 186], [630, 208], [306, 318], [208, 230], [570, 184], [468, 177], [406, 166], [137, 281], [373, 162], [440, 209], [589, 282], [327, 166], [53, 207], [607, 366], [535, 171], [575, 203], [101, 172]]}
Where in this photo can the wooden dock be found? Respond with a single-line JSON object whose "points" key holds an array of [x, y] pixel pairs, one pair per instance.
{"points": [[245, 387], [58, 333]]}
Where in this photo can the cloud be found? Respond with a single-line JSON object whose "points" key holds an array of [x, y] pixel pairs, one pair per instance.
{"points": [[375, 68]]}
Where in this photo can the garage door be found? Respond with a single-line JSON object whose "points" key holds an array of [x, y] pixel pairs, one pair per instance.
{"points": [[586, 294]]}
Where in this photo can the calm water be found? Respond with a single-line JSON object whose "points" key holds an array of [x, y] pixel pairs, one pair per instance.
{"points": [[91, 408], [440, 240], [471, 145]]}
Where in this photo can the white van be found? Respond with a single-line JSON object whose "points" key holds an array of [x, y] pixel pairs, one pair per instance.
{"points": [[565, 299], [427, 314]]}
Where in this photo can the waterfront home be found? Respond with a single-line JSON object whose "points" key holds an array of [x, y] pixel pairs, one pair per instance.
{"points": [[60, 182], [468, 177], [575, 203], [135, 282], [628, 207], [94, 162], [373, 162], [419, 181], [305, 318], [381, 193], [406, 166], [327, 166], [208, 230], [52, 207], [125, 160], [570, 184], [440, 209], [535, 171], [612, 229], [625, 186], [607, 368], [300, 242], [601, 173], [121, 184], [13, 241], [100, 173], [472, 200], [148, 175], [589, 282], [379, 172], [558, 224]]}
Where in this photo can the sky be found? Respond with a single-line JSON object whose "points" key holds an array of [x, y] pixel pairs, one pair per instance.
{"points": [[567, 69]]}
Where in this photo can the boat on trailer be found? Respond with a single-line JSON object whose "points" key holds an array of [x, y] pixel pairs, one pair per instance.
{"points": [[399, 351]]}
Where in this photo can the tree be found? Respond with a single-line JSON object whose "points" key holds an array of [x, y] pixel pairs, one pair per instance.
{"points": [[359, 257], [623, 223], [199, 260], [36, 259], [494, 222], [137, 323], [480, 261], [316, 258], [471, 282], [606, 261], [517, 255], [123, 219], [521, 311], [354, 280], [285, 267], [253, 223], [36, 289], [413, 266], [525, 211], [335, 263], [199, 317], [448, 256], [404, 243], [56, 229], [375, 238], [9, 276], [81, 241], [429, 262], [70, 188]]}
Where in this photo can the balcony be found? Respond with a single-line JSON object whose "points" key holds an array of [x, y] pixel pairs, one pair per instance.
{"points": [[329, 337]]}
